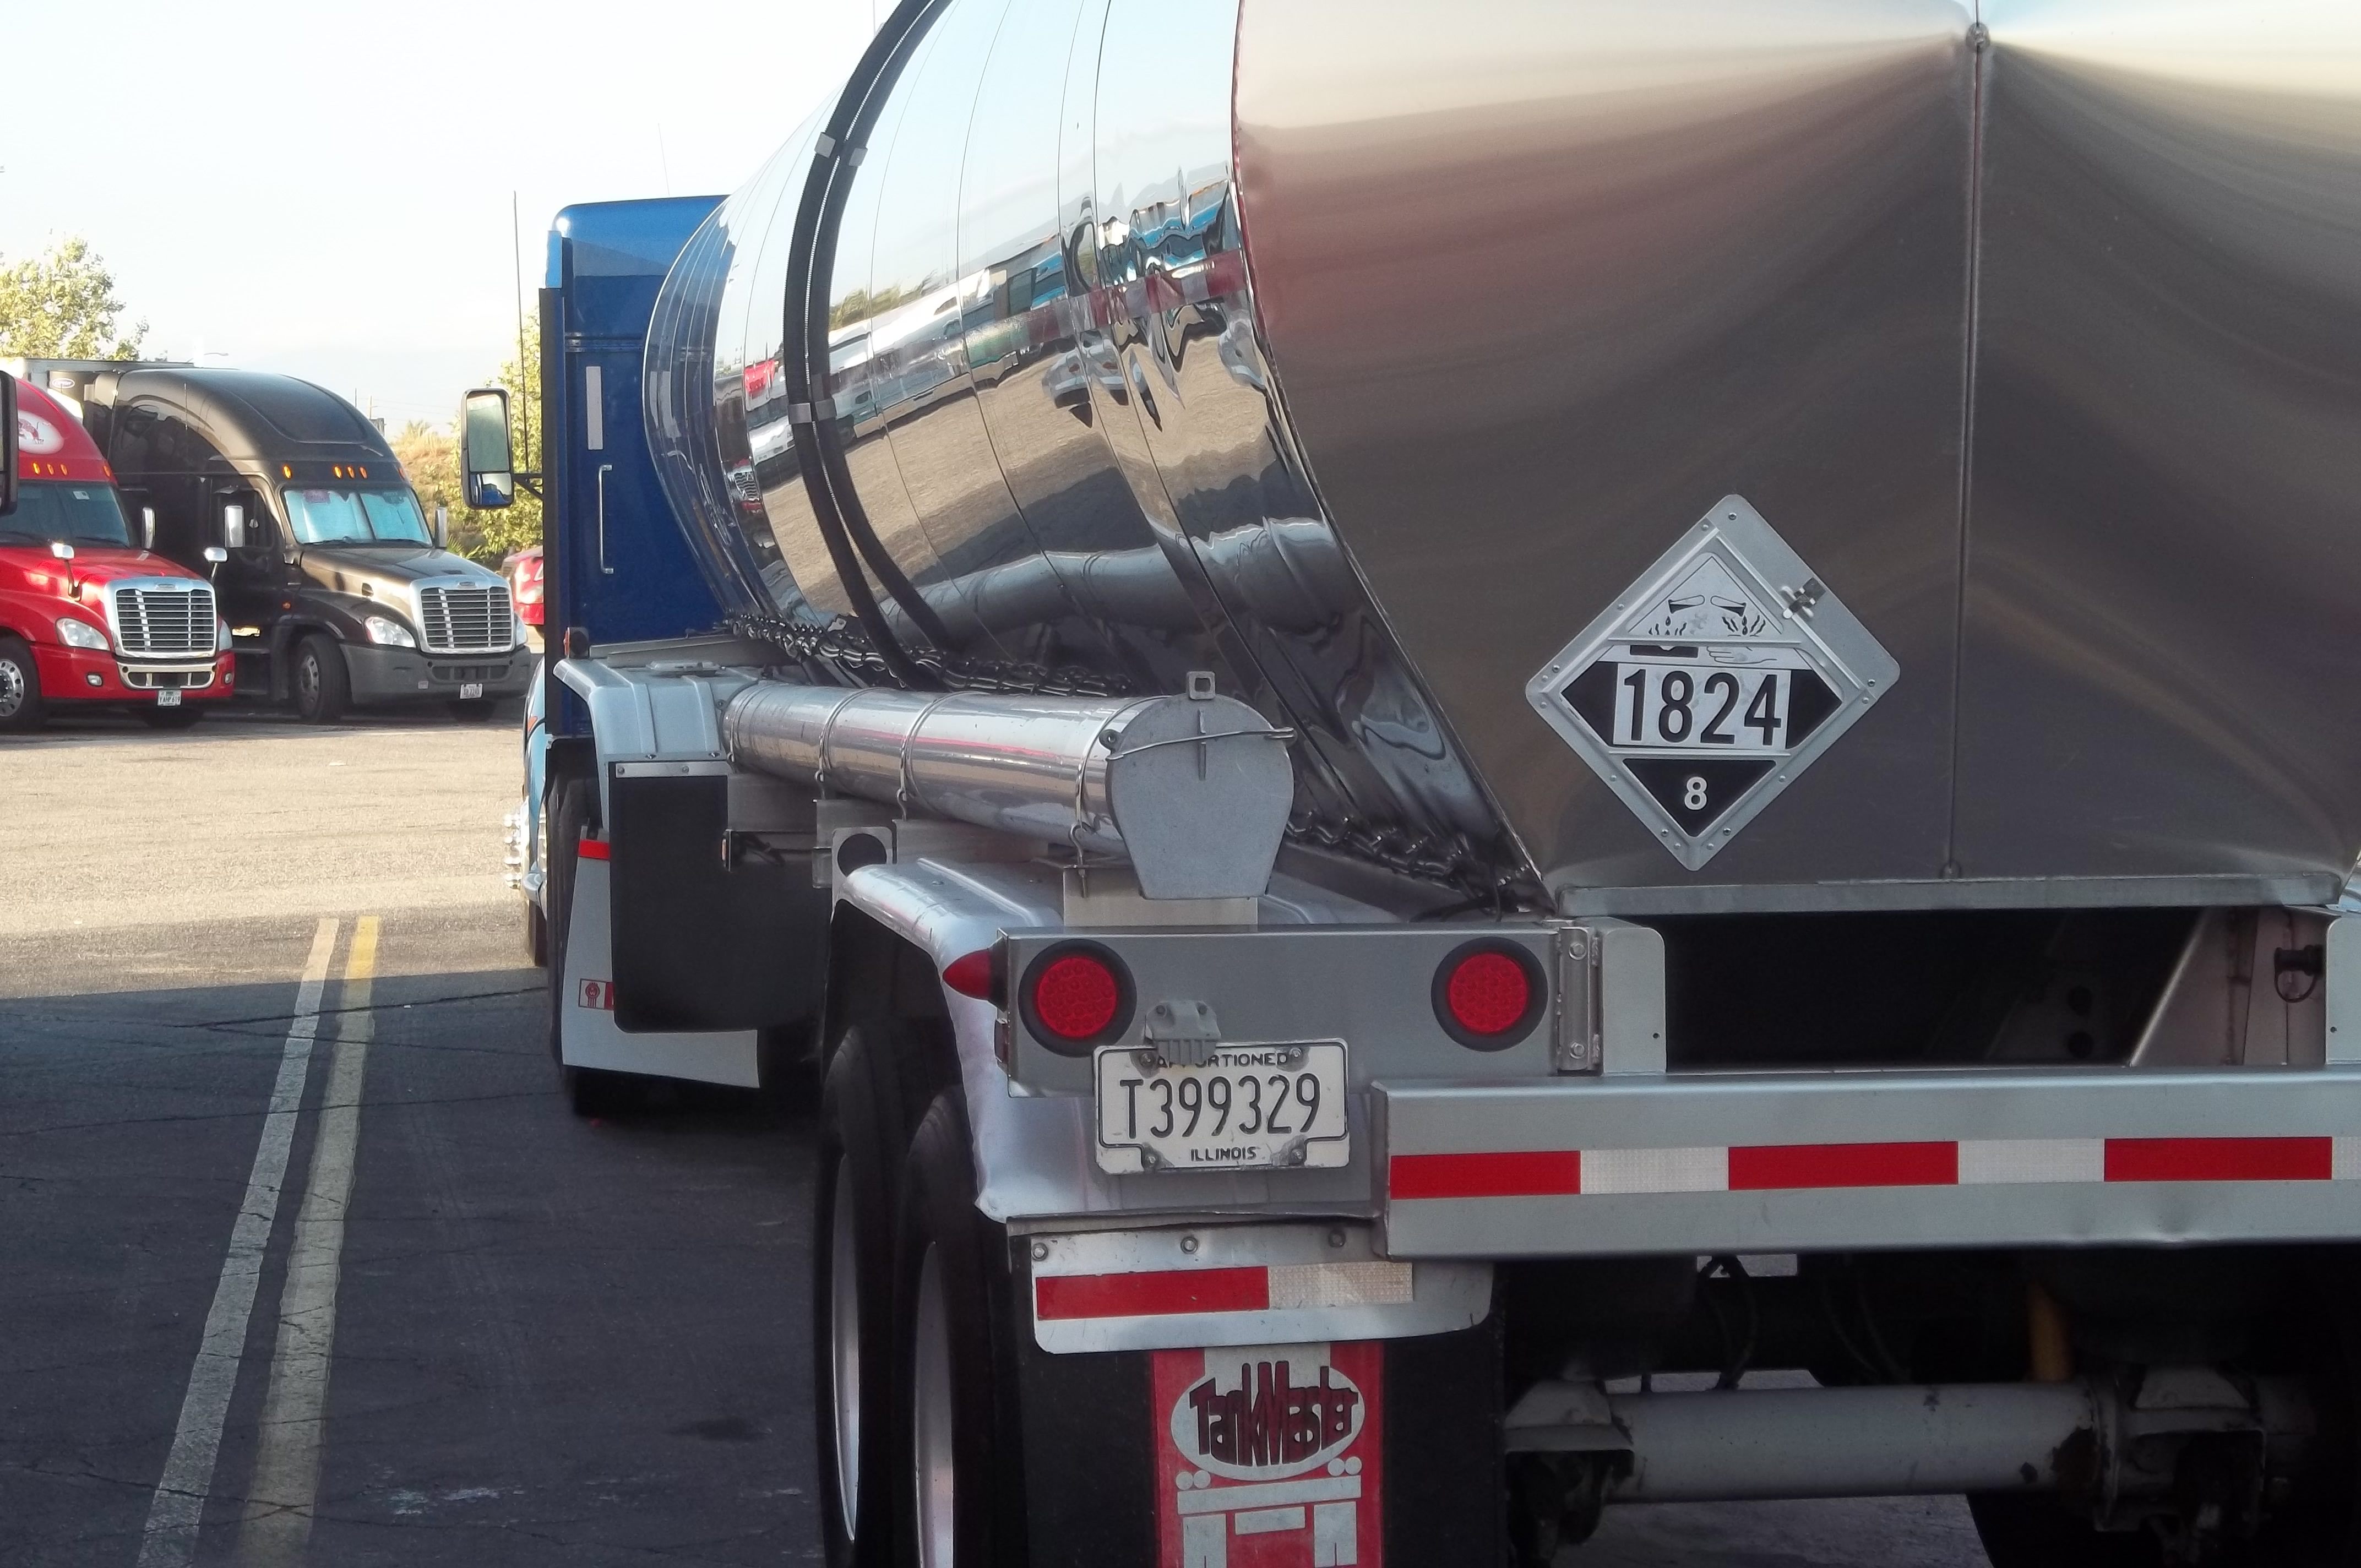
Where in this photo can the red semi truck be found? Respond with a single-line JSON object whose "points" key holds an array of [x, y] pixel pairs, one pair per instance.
{"points": [[89, 616]]}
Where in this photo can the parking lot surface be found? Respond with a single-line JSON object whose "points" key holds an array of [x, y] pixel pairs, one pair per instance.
{"points": [[267, 1038]]}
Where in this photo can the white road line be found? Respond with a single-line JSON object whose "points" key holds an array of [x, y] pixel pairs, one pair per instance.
{"points": [[173, 1514], [287, 1456]]}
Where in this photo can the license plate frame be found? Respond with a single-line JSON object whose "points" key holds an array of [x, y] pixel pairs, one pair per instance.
{"points": [[168, 697], [1127, 1108], [470, 690]]}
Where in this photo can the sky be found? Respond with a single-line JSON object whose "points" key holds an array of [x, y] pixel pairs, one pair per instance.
{"points": [[323, 187]]}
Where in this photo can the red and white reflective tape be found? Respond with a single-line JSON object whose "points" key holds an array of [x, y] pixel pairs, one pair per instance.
{"points": [[1788, 1168], [1255, 1287], [594, 850]]}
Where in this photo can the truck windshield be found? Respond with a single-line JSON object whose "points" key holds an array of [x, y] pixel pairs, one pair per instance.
{"points": [[355, 517], [78, 513]]}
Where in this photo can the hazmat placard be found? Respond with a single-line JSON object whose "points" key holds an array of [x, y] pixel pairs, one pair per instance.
{"points": [[1712, 682]]}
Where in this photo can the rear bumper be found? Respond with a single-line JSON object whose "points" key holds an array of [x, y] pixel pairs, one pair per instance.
{"points": [[1799, 1163], [405, 675], [84, 674]]}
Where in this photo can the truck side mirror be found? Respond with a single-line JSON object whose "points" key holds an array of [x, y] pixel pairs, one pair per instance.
{"points": [[234, 526], [147, 528], [8, 444], [485, 454]]}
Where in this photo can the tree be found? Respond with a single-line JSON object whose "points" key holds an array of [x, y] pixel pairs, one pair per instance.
{"points": [[431, 461], [61, 305]]}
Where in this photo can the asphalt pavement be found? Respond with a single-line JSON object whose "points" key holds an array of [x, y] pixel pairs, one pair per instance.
{"points": [[267, 1036]]}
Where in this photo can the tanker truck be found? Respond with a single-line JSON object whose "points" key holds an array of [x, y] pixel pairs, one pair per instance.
{"points": [[1508, 759]]}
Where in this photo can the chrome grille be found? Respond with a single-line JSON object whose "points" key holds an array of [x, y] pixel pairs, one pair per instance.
{"points": [[154, 618], [465, 618]]}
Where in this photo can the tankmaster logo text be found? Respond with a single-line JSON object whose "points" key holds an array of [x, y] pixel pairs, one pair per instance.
{"points": [[1269, 1424]]}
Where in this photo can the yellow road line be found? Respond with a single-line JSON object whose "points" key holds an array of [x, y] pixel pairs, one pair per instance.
{"points": [[170, 1539], [277, 1523]]}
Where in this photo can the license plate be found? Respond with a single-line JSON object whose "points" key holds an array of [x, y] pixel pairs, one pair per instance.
{"points": [[470, 690], [168, 697], [1250, 1107]]}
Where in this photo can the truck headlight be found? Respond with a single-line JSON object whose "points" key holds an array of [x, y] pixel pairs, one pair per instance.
{"points": [[76, 633], [389, 633]]}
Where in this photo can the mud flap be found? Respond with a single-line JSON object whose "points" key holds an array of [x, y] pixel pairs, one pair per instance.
{"points": [[1356, 1455], [1270, 1456], [587, 1033]]}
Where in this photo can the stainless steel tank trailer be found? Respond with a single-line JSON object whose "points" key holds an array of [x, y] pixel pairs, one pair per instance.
{"points": [[1455, 725]]}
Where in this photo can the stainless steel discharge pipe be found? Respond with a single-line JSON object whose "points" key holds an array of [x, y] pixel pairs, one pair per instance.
{"points": [[1194, 790]]}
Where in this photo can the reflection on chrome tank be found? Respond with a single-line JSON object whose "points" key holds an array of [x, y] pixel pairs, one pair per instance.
{"points": [[1362, 355]]}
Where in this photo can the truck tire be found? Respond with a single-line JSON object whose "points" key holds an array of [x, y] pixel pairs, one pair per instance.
{"points": [[21, 708], [537, 935], [323, 686], [958, 1447], [874, 1093]]}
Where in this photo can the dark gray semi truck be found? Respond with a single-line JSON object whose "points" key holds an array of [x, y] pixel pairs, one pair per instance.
{"points": [[338, 589]]}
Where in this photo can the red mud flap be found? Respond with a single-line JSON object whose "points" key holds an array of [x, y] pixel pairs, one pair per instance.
{"points": [[1270, 1456], [1362, 1452]]}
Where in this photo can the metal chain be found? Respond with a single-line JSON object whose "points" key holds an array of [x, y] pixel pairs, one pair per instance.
{"points": [[1454, 862], [844, 643]]}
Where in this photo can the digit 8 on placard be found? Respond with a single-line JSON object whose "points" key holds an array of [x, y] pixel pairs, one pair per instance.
{"points": [[1693, 794], [1675, 706]]}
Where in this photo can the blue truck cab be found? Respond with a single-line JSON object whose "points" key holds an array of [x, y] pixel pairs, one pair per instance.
{"points": [[621, 578]]}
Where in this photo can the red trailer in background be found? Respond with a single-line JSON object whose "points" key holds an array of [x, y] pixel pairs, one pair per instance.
{"points": [[523, 569], [89, 616]]}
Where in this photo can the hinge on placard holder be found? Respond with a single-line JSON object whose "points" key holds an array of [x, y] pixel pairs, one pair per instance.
{"points": [[1577, 1048]]}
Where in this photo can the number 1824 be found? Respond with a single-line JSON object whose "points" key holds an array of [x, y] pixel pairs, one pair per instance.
{"points": [[1709, 709]]}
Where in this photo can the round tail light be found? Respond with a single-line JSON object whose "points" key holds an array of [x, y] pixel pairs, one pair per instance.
{"points": [[1488, 994], [1076, 995]]}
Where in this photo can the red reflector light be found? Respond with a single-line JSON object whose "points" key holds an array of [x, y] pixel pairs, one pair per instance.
{"points": [[970, 974], [1076, 997], [1488, 994]]}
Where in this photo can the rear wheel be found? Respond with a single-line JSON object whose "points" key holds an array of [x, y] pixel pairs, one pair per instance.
{"points": [[184, 717], [879, 1081], [21, 707], [323, 686], [956, 1442]]}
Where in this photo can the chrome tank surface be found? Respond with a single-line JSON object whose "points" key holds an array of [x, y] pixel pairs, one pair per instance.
{"points": [[1365, 351], [1542, 289], [2165, 536], [1058, 429], [1542, 280]]}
